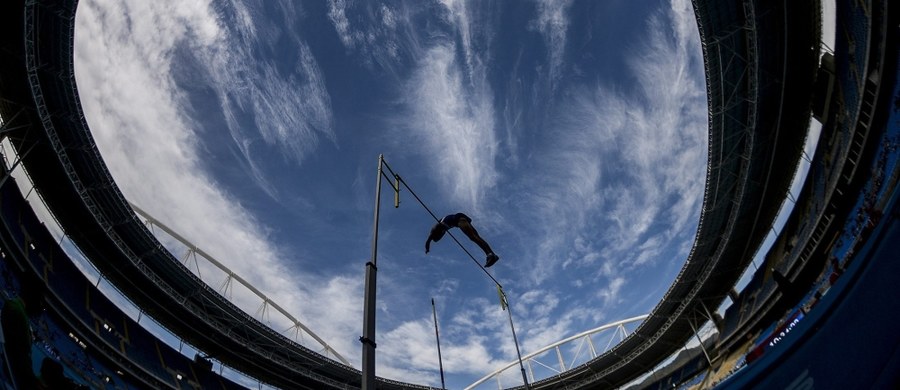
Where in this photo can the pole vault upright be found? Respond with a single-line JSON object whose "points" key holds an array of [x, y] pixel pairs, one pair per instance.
{"points": [[368, 337]]}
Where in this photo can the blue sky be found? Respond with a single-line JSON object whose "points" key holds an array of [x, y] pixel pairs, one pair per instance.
{"points": [[572, 132]]}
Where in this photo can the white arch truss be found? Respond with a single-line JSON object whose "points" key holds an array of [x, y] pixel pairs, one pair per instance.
{"points": [[262, 312], [562, 364]]}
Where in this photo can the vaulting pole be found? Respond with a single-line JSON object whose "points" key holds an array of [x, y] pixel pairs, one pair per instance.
{"points": [[437, 337], [368, 338]]}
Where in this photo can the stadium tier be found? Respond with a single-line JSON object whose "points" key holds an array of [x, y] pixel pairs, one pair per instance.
{"points": [[763, 74]]}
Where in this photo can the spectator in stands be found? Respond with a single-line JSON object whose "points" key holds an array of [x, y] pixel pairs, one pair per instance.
{"points": [[18, 335], [836, 270], [464, 223], [52, 376]]}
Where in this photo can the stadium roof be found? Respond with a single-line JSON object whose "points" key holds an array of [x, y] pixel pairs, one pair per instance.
{"points": [[760, 70]]}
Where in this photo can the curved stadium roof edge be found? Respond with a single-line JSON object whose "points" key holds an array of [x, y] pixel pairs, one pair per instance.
{"points": [[759, 70]]}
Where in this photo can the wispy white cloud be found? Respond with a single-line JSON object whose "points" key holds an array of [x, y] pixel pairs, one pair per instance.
{"points": [[291, 113], [610, 292], [553, 23], [473, 342], [548, 321], [459, 17], [290, 110], [337, 12], [624, 170], [378, 33], [455, 124], [449, 107], [151, 146]]}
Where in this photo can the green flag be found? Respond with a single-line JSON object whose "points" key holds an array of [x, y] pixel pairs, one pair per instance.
{"points": [[503, 303]]}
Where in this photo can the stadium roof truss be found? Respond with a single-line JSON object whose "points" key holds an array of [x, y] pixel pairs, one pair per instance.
{"points": [[760, 59]]}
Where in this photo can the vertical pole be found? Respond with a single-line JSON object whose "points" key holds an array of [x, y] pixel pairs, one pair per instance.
{"points": [[15, 164], [515, 340], [437, 337], [702, 348], [368, 338], [396, 191]]}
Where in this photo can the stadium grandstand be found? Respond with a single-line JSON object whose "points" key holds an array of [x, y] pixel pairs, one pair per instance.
{"points": [[821, 296]]}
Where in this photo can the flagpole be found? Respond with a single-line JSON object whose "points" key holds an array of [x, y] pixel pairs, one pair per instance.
{"points": [[438, 338]]}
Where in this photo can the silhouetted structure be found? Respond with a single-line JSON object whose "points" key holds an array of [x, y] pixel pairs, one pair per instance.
{"points": [[762, 64]]}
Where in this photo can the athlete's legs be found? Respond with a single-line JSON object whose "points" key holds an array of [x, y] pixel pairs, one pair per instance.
{"points": [[470, 232]]}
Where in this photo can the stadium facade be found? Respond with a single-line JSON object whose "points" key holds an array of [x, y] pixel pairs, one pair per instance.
{"points": [[765, 79]]}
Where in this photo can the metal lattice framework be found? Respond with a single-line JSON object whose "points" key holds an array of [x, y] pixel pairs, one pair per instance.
{"points": [[577, 355], [192, 252]]}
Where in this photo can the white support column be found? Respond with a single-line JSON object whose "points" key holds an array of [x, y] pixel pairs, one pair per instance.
{"points": [[562, 363]]}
